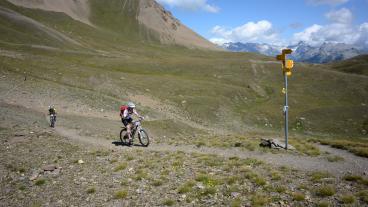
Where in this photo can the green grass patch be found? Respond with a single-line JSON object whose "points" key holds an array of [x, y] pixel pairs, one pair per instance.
{"points": [[91, 190], [235, 203], [363, 196], [353, 178], [323, 204], [121, 194], [120, 167], [298, 196], [40, 181], [356, 146], [275, 176], [317, 176], [207, 180], [157, 183], [187, 187], [259, 200], [325, 190], [348, 199], [168, 202], [207, 191], [279, 188], [259, 181]]}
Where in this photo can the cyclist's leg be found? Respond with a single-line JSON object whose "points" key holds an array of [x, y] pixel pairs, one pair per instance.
{"points": [[129, 127]]}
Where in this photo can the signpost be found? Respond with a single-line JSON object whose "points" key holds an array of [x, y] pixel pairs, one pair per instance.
{"points": [[287, 65]]}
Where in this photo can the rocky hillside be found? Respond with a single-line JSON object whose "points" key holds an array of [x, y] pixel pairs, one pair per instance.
{"points": [[151, 20]]}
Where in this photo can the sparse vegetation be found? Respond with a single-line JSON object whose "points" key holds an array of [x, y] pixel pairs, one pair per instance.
{"points": [[259, 200], [236, 203], [325, 190], [280, 188], [347, 199], [187, 187], [40, 181], [120, 167], [121, 194], [353, 178], [91, 190], [335, 158], [318, 175], [323, 204], [168, 202], [157, 183], [297, 196]]}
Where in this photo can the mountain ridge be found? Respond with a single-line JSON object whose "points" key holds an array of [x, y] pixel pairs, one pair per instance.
{"points": [[302, 52]]}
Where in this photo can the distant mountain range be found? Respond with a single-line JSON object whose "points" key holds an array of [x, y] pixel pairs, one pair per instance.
{"points": [[303, 52]]}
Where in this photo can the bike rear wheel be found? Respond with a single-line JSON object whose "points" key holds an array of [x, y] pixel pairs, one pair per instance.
{"points": [[124, 137], [143, 138], [52, 121]]}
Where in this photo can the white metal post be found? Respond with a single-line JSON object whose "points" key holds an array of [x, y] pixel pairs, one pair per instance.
{"points": [[286, 109]]}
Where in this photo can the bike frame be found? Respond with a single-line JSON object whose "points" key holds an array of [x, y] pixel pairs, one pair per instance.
{"points": [[136, 127]]}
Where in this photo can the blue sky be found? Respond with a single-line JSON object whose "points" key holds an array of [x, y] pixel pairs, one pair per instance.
{"points": [[276, 22]]}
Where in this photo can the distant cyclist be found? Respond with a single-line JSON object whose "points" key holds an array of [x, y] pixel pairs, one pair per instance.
{"points": [[126, 112], [52, 113]]}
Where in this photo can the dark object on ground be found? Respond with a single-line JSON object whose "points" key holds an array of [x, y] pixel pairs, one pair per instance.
{"points": [[271, 143]]}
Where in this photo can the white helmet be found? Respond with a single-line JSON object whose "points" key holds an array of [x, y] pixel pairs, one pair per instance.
{"points": [[131, 105]]}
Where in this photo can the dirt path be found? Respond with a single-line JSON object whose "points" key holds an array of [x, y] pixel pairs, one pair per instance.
{"points": [[351, 164]]}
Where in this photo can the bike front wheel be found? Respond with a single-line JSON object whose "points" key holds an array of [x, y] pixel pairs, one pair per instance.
{"points": [[143, 138]]}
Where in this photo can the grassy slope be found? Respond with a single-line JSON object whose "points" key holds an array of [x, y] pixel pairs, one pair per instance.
{"points": [[356, 65], [216, 89]]}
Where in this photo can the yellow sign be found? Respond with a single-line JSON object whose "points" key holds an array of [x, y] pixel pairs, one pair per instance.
{"points": [[289, 64], [280, 57], [288, 73], [287, 51]]}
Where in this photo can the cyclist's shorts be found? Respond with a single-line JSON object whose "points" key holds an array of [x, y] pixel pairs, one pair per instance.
{"points": [[127, 121]]}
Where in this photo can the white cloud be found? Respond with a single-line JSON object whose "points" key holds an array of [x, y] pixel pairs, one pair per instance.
{"points": [[191, 5], [308, 35], [340, 30], [336, 33], [343, 16], [328, 2], [219, 41], [260, 31]]}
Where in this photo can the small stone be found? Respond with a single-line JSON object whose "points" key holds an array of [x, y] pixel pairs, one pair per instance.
{"points": [[34, 176], [235, 194], [31, 132], [80, 161], [49, 168], [200, 186], [364, 132]]}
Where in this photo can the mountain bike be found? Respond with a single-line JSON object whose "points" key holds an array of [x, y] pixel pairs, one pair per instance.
{"points": [[52, 120], [137, 128]]}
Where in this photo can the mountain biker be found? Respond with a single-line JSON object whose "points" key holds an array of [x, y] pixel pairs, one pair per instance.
{"points": [[52, 114], [52, 111], [126, 113]]}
